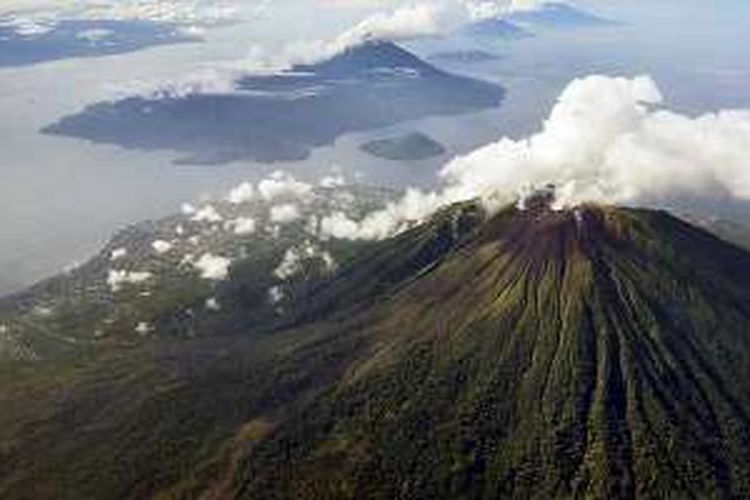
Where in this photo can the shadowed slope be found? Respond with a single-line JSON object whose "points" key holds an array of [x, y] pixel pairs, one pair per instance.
{"points": [[557, 354]]}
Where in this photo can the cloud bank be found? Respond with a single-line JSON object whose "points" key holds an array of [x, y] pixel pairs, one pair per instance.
{"points": [[606, 140]]}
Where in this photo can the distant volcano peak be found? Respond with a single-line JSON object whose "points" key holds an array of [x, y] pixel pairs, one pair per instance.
{"points": [[367, 56]]}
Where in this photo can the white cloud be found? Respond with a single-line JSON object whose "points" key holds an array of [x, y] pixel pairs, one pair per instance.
{"points": [[413, 208], [116, 279], [206, 80], [339, 225], [282, 185], [143, 328], [275, 295], [409, 21], [173, 11], [118, 253], [43, 311], [212, 267], [295, 257], [404, 22], [606, 140], [94, 35], [284, 214], [212, 304], [520, 5], [243, 193], [161, 246], [207, 214], [242, 226], [332, 181]]}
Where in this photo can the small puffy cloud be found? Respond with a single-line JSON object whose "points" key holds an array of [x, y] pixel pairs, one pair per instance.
{"points": [[332, 181], [161, 246], [118, 253], [143, 329], [94, 35], [404, 22], [284, 214], [282, 185], [338, 225], [212, 267], [243, 193], [275, 295], [242, 226], [397, 216], [187, 209], [116, 279], [295, 257], [207, 214], [401, 23], [212, 304], [43, 311], [208, 80]]}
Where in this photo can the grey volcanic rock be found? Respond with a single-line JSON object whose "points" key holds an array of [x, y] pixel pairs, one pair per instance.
{"points": [[282, 117]]}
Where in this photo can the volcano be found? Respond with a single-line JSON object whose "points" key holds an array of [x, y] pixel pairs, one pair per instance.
{"points": [[593, 352], [557, 15], [496, 28]]}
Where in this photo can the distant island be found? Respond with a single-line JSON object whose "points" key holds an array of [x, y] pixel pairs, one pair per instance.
{"points": [[497, 28], [409, 147], [557, 15], [78, 38], [282, 117], [469, 56]]}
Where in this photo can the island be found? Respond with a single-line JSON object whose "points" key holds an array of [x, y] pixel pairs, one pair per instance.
{"points": [[409, 147]]}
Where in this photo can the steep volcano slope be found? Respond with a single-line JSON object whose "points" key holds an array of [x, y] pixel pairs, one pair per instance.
{"points": [[598, 352]]}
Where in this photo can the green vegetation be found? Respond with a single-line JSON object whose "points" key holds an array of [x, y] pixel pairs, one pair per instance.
{"points": [[597, 353]]}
